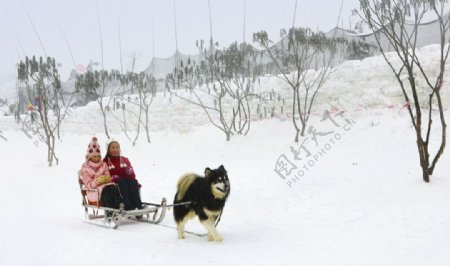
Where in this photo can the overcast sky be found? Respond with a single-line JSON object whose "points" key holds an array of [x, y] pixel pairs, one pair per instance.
{"points": [[79, 21]]}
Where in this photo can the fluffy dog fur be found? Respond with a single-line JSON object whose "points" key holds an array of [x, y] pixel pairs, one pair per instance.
{"points": [[207, 196]]}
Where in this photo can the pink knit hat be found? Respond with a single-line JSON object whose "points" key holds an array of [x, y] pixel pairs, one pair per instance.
{"points": [[93, 149]]}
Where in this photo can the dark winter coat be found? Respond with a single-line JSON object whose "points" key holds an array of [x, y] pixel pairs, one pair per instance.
{"points": [[119, 167]]}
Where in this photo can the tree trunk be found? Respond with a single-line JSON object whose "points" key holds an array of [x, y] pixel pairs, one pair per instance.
{"points": [[297, 133], [303, 130], [146, 125], [443, 134], [424, 157], [104, 124], [49, 152]]}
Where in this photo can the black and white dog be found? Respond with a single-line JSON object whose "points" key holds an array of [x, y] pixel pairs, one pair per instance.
{"points": [[207, 196]]}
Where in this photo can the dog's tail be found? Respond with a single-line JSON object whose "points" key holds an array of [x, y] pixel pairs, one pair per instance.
{"points": [[183, 185]]}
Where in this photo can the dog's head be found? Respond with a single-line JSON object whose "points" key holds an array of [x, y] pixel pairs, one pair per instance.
{"points": [[220, 184]]}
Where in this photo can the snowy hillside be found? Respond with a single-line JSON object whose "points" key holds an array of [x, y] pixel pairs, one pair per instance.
{"points": [[358, 200], [353, 86]]}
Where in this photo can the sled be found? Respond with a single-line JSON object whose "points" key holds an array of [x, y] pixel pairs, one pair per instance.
{"points": [[95, 213]]}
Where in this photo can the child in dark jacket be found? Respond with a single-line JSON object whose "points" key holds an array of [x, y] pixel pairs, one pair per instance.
{"points": [[123, 174]]}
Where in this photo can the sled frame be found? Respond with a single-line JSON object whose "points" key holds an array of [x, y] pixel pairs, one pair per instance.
{"points": [[96, 214]]}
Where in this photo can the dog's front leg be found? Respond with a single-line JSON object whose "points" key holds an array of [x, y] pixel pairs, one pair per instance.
{"points": [[213, 235]]}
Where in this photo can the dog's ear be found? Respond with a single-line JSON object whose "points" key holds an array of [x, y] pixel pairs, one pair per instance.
{"points": [[222, 169], [207, 171]]}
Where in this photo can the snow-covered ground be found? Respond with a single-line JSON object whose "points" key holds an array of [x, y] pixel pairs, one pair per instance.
{"points": [[360, 201]]}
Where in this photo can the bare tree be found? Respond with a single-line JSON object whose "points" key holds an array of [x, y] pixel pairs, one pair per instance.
{"points": [[42, 82], [239, 71], [226, 77], [120, 88], [131, 81], [397, 22], [145, 86], [101, 86], [305, 64], [190, 77]]}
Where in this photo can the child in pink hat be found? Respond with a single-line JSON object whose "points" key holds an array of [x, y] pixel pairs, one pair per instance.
{"points": [[95, 175]]}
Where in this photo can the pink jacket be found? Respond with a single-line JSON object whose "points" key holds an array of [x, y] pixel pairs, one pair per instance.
{"points": [[89, 173]]}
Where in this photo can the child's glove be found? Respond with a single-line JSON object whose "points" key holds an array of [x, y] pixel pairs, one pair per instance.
{"points": [[129, 171], [101, 179], [107, 179], [115, 178]]}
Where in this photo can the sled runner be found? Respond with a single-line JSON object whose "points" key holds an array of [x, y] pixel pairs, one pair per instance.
{"points": [[98, 215]]}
